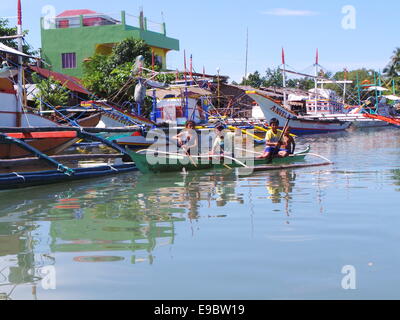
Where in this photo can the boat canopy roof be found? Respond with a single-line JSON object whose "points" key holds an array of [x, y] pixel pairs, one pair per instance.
{"points": [[6, 49], [377, 88], [324, 93], [193, 92], [392, 97]]}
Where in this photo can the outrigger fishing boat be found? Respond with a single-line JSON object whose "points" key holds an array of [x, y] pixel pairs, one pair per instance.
{"points": [[154, 161]]}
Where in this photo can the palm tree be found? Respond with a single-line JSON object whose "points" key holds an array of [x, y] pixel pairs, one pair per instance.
{"points": [[393, 68]]}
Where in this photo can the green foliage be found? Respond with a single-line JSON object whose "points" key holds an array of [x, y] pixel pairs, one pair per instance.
{"points": [[109, 76], [254, 80], [302, 83], [392, 70], [359, 75], [274, 78], [127, 51], [5, 30], [50, 91]]}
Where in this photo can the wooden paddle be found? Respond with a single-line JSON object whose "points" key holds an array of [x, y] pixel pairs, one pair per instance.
{"points": [[276, 149], [190, 158]]}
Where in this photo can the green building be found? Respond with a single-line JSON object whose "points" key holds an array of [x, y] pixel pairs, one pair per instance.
{"points": [[75, 35]]}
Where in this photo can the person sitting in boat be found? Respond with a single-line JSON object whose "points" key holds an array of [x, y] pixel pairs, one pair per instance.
{"points": [[218, 146], [187, 138], [272, 142], [288, 144]]}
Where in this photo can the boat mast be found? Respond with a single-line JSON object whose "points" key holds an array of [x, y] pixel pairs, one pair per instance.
{"points": [[284, 78], [247, 53], [20, 69], [344, 89], [316, 82]]}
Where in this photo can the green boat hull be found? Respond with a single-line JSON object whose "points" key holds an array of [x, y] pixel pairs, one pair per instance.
{"points": [[149, 163]]}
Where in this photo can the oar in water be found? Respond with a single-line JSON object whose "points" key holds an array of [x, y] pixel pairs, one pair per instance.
{"points": [[190, 158], [275, 151]]}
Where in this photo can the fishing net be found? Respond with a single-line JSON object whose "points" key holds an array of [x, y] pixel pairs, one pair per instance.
{"points": [[140, 92], [138, 65]]}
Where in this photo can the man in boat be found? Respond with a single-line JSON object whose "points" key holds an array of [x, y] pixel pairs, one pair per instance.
{"points": [[279, 147], [218, 146], [224, 141], [187, 138]]}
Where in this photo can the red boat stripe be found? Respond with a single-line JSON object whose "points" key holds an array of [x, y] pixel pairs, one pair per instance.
{"points": [[43, 135]]}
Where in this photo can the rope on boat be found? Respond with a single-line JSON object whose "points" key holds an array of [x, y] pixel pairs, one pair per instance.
{"points": [[112, 168], [319, 156], [19, 176]]}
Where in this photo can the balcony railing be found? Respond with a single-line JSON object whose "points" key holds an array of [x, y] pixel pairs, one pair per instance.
{"points": [[103, 19]]}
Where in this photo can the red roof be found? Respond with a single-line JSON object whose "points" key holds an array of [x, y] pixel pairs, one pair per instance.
{"points": [[72, 83], [71, 13]]}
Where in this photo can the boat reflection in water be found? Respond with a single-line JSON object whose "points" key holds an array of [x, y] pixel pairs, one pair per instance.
{"points": [[121, 219], [99, 221]]}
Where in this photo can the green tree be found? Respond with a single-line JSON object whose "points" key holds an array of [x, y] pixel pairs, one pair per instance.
{"points": [[127, 50], [50, 91], [254, 80], [273, 78], [110, 76], [5, 30], [361, 75], [392, 70], [301, 83]]}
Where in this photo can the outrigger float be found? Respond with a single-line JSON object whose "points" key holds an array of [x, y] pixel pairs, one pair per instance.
{"points": [[61, 172], [154, 161]]}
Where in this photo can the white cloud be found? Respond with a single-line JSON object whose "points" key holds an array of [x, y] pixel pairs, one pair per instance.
{"points": [[289, 12]]}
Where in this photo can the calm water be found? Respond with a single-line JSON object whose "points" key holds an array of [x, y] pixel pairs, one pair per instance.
{"points": [[214, 235]]}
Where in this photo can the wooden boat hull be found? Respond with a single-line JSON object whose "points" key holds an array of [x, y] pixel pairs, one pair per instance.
{"points": [[150, 163], [48, 142], [48, 146], [29, 179]]}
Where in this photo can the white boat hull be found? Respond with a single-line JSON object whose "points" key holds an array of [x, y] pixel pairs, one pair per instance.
{"points": [[298, 125]]}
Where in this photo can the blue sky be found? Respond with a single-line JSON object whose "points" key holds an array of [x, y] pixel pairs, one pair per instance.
{"points": [[214, 32]]}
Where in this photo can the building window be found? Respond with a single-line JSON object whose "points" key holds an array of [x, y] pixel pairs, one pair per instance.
{"points": [[68, 60], [63, 24], [159, 60]]}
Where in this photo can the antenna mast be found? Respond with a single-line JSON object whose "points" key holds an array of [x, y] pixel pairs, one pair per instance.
{"points": [[247, 53], [284, 78]]}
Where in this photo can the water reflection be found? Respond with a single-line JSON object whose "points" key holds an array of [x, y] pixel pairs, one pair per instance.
{"points": [[396, 177], [100, 222], [280, 186], [19, 264]]}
